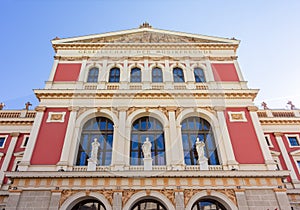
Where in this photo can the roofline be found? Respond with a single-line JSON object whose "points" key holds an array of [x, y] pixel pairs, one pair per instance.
{"points": [[199, 36]]}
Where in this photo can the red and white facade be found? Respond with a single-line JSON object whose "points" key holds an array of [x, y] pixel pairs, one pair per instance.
{"points": [[251, 162]]}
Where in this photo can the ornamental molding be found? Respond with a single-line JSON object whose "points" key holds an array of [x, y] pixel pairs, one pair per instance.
{"points": [[279, 122]]}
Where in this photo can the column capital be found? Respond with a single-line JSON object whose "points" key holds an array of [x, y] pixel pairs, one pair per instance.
{"points": [[122, 108], [171, 108], [73, 108], [40, 108], [15, 134], [278, 134], [219, 108], [252, 108]]}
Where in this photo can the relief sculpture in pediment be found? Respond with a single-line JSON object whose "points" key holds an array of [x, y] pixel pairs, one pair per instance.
{"points": [[145, 37]]}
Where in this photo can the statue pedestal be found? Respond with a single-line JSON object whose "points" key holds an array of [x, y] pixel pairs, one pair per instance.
{"points": [[147, 164], [203, 163], [91, 165]]}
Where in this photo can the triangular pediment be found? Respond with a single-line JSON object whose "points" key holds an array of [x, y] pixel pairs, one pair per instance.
{"points": [[145, 35]]}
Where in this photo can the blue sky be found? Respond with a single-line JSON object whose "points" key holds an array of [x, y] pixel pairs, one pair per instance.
{"points": [[269, 31]]}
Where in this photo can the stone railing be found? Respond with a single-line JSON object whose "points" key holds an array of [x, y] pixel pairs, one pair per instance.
{"points": [[16, 114], [154, 168], [278, 113]]}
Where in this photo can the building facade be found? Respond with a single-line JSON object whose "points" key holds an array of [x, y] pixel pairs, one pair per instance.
{"points": [[148, 119]]}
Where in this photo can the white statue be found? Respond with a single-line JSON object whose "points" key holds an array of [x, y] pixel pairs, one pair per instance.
{"points": [[147, 148], [94, 153], [200, 149]]}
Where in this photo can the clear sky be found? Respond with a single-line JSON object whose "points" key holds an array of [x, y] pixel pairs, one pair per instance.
{"points": [[269, 31]]}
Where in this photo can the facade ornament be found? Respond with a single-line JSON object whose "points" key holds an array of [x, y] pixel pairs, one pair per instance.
{"points": [[2, 105], [147, 148], [202, 160], [27, 105], [93, 160], [264, 105], [292, 106], [145, 25]]}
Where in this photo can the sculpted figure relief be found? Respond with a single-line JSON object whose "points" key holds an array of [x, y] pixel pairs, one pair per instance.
{"points": [[200, 149], [147, 148], [94, 152]]}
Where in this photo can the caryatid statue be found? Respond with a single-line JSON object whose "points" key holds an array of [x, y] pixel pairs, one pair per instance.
{"points": [[200, 149], [147, 148], [94, 152]]}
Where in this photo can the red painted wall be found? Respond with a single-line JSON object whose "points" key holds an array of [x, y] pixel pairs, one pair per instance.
{"points": [[6, 145], [225, 72], [244, 139], [50, 139], [67, 72], [277, 149]]}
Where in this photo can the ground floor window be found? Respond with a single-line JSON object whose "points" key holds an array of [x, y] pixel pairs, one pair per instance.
{"points": [[208, 204], [148, 204], [89, 204]]}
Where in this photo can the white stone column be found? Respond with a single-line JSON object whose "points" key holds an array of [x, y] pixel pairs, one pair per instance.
{"points": [[209, 75], [55, 198], [179, 200], [226, 142], [118, 156], [282, 198], [52, 73], [13, 199], [117, 201], [190, 80], [146, 75], [238, 70], [64, 157], [8, 155], [82, 73], [261, 138], [168, 76], [124, 79], [241, 199], [24, 164], [286, 156], [176, 149]]}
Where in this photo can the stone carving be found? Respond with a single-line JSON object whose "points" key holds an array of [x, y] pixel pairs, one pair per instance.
{"points": [[230, 193], [94, 152], [147, 148], [65, 194], [56, 117], [126, 195], [200, 149], [170, 194], [145, 37]]}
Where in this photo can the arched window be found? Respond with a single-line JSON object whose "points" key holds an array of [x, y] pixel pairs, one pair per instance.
{"points": [[102, 129], [199, 75], [148, 204], [93, 75], [141, 129], [178, 75], [208, 204], [135, 75], [92, 204], [157, 75], [114, 75], [194, 127]]}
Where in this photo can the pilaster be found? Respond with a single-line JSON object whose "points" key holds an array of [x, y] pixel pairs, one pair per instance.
{"points": [[261, 138], [231, 161], [63, 162], [8, 155], [23, 166], [13, 199], [282, 198], [285, 155], [179, 200], [52, 73], [54, 200], [241, 199]]}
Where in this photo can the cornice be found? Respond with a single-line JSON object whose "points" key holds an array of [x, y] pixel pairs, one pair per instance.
{"points": [[279, 121], [134, 174], [131, 46], [125, 94]]}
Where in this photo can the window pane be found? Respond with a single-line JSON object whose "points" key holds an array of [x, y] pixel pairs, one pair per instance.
{"points": [[114, 75], [178, 75], [135, 75], [293, 141], [199, 75], [93, 75]]}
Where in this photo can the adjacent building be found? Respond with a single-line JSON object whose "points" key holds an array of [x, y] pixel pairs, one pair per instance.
{"points": [[148, 119]]}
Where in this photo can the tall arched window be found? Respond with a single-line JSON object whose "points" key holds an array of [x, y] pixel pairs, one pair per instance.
{"points": [[135, 75], [157, 75], [148, 204], [178, 75], [102, 129], [93, 75], [208, 204], [141, 129], [199, 75], [194, 127], [114, 75]]}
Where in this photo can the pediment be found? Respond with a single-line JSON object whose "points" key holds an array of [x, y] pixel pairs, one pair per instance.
{"points": [[145, 35]]}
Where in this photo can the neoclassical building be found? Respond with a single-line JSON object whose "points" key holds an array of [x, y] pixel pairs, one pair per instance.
{"points": [[210, 147]]}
